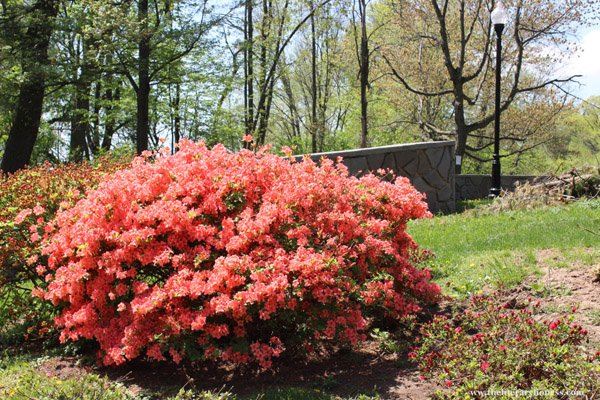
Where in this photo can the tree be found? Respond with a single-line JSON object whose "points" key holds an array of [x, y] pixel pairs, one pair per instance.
{"points": [[249, 66], [148, 41], [33, 50], [456, 37], [578, 136], [363, 67], [143, 84], [277, 29], [312, 99]]}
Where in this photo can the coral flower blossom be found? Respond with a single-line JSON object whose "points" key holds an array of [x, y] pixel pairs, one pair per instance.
{"points": [[484, 366]]}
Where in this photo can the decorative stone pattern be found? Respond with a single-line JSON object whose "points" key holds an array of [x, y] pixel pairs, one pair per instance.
{"points": [[471, 187], [429, 166]]}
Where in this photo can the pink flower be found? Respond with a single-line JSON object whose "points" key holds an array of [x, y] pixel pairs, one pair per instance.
{"points": [[155, 352], [247, 138], [288, 151], [38, 210], [175, 355], [32, 259], [22, 215], [484, 366]]}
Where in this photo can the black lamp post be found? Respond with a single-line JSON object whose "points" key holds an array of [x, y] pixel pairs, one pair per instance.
{"points": [[499, 17]]}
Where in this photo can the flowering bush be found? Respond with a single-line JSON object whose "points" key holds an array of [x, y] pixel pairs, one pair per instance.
{"points": [[210, 254], [492, 350], [28, 199]]}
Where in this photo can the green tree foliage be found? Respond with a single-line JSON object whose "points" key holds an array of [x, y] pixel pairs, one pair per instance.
{"points": [[290, 72]]}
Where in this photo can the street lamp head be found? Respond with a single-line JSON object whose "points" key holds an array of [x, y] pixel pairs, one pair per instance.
{"points": [[499, 14]]}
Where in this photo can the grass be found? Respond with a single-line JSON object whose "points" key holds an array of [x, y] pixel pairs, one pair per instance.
{"points": [[594, 317], [476, 249], [303, 394], [20, 379]]}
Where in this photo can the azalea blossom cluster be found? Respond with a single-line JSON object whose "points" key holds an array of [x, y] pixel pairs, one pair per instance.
{"points": [[210, 254], [28, 199]]}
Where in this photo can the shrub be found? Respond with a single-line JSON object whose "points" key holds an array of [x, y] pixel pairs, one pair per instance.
{"points": [[587, 187], [210, 254], [28, 199], [493, 350]]}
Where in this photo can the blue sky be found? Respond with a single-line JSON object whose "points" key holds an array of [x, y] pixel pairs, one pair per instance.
{"points": [[587, 63]]}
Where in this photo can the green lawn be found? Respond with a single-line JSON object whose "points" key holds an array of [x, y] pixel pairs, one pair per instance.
{"points": [[475, 248]]}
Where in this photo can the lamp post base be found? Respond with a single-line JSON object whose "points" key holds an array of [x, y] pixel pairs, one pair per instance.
{"points": [[496, 182], [494, 192]]}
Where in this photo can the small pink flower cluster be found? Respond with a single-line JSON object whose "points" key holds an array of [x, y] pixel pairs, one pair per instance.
{"points": [[233, 256], [493, 345]]}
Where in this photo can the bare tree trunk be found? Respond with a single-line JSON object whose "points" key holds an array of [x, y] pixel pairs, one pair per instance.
{"points": [[263, 123], [94, 141], [26, 123], [325, 94], [80, 126], [143, 92], [461, 126], [109, 124], [265, 30], [313, 54], [364, 74], [249, 68], [291, 103], [177, 111]]}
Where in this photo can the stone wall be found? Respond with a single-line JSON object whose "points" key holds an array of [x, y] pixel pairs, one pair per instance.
{"points": [[429, 166], [470, 187]]}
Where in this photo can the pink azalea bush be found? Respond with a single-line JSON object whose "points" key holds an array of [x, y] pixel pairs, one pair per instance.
{"points": [[209, 254]]}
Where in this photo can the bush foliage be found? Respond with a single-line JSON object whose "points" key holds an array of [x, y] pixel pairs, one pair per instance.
{"points": [[28, 200], [493, 350], [209, 254]]}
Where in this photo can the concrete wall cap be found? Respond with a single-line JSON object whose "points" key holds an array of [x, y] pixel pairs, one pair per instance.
{"points": [[381, 149]]}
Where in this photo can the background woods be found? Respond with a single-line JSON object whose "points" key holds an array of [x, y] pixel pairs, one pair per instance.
{"points": [[82, 78]]}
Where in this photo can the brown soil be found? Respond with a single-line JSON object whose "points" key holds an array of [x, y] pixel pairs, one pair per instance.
{"points": [[565, 288], [63, 368], [364, 370]]}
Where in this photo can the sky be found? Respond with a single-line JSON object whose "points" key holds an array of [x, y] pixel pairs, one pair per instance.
{"points": [[587, 63]]}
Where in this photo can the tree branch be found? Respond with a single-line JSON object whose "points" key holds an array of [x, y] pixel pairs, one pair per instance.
{"points": [[410, 88]]}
